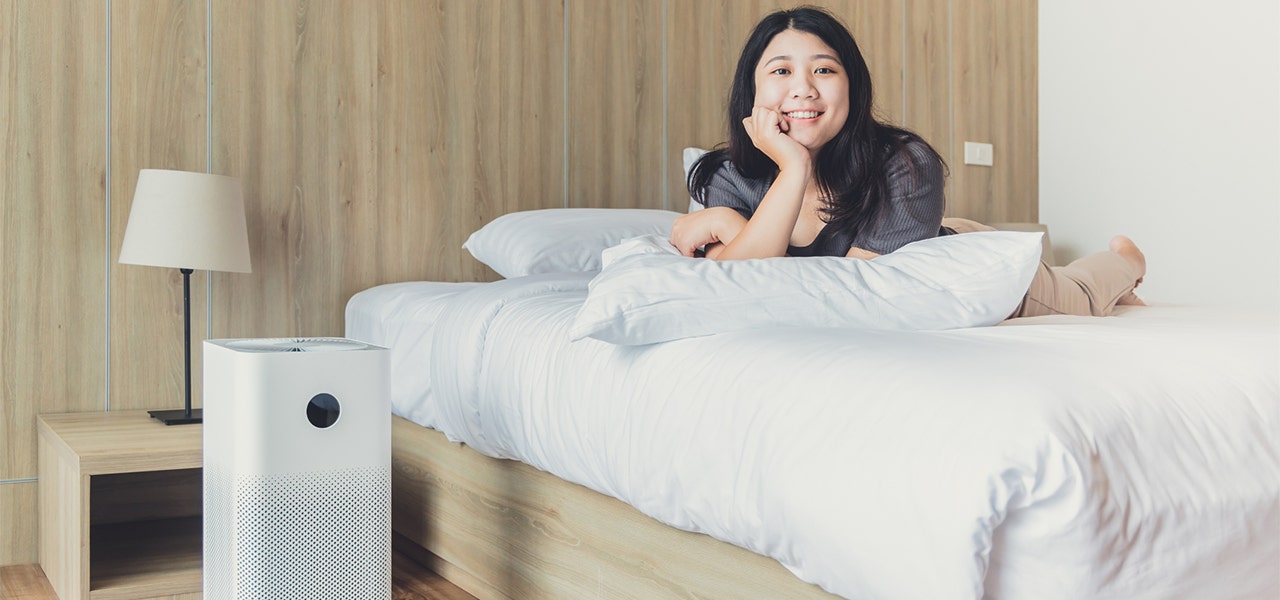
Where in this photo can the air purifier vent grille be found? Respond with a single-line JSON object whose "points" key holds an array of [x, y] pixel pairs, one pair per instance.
{"points": [[218, 560], [296, 345], [314, 535]]}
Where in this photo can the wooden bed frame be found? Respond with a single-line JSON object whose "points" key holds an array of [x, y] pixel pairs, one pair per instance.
{"points": [[501, 529]]}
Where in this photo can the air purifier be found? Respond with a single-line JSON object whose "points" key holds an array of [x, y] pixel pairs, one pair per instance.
{"points": [[297, 469]]}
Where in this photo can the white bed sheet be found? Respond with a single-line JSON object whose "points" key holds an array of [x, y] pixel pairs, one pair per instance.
{"points": [[1135, 456]]}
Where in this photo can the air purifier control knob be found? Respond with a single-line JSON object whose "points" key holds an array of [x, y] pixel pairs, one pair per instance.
{"points": [[323, 410]]}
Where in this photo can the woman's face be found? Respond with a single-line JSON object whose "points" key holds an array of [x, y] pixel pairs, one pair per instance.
{"points": [[800, 76]]}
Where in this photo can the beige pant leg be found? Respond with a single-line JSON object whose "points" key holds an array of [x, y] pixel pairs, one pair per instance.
{"points": [[1090, 286], [965, 225]]}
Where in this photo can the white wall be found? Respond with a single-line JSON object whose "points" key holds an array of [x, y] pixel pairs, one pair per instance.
{"points": [[1160, 119]]}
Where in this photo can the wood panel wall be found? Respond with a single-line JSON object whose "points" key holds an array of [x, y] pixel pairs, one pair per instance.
{"points": [[157, 120], [295, 117], [372, 138], [52, 240], [614, 99], [994, 86]]}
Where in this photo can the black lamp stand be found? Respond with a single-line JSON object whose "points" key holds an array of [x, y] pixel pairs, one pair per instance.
{"points": [[186, 415]]}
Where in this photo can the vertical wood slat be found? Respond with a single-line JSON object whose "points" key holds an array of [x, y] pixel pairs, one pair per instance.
{"points": [[157, 122], [615, 104], [704, 40], [518, 106], [52, 199], [877, 27], [501, 66], [470, 127], [412, 150], [926, 82], [293, 118], [994, 101], [18, 510]]}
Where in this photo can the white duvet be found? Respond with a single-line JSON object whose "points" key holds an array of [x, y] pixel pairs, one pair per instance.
{"points": [[1135, 456]]}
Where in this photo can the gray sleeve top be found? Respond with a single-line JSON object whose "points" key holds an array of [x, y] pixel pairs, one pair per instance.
{"points": [[914, 211]]}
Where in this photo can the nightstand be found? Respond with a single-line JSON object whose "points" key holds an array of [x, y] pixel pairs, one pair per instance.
{"points": [[120, 506]]}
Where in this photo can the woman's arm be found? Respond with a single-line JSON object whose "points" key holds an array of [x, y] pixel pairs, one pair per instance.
{"points": [[712, 226], [717, 226], [768, 232]]}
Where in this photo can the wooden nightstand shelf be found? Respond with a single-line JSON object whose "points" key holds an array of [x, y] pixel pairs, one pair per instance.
{"points": [[119, 506]]}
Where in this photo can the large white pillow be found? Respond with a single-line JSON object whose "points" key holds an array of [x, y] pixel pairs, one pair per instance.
{"points": [[561, 240], [647, 292]]}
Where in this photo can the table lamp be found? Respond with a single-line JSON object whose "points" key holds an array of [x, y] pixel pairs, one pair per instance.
{"points": [[187, 221]]}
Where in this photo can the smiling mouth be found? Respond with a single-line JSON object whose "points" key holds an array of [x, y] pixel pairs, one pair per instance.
{"points": [[802, 114]]}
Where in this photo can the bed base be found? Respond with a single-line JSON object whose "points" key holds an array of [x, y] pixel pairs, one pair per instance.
{"points": [[501, 529]]}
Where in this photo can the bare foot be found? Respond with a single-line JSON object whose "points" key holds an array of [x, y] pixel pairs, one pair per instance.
{"points": [[1129, 251]]}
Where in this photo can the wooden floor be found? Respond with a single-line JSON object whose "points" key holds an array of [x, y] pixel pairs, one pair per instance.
{"points": [[409, 581]]}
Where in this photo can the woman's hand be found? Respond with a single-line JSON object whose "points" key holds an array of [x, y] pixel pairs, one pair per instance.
{"points": [[856, 252], [768, 132], [717, 224]]}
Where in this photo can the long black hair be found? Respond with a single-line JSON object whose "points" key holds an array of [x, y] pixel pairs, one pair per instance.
{"points": [[849, 169]]}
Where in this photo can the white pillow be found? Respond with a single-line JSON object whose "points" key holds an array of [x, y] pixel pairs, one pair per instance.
{"points": [[690, 156], [647, 292], [561, 240]]}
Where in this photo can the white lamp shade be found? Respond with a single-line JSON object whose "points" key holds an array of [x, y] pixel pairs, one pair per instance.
{"points": [[187, 220]]}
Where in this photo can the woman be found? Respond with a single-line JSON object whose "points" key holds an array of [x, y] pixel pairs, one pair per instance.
{"points": [[808, 171]]}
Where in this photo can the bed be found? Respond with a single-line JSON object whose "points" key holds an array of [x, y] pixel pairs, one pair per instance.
{"points": [[1133, 456]]}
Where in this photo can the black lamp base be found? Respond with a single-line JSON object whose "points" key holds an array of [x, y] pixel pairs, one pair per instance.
{"points": [[177, 417]]}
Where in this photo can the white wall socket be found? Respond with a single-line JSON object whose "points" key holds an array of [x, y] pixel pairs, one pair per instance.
{"points": [[977, 154]]}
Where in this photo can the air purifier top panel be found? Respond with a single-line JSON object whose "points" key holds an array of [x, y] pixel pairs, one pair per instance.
{"points": [[275, 345]]}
